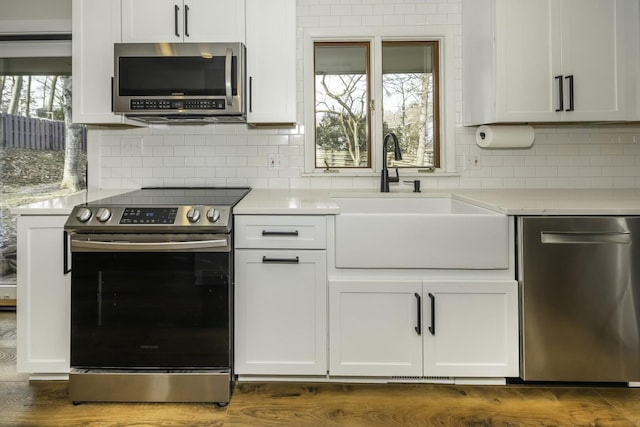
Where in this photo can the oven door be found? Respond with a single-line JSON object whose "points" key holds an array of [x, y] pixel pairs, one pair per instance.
{"points": [[151, 301]]}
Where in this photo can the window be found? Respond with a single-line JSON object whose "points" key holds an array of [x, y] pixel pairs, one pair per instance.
{"points": [[342, 105], [347, 126], [410, 101], [33, 135]]}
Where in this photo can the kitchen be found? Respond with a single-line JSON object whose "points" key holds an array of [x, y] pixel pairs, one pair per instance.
{"points": [[597, 163]]}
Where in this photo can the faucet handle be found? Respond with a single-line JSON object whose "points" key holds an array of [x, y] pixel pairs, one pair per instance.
{"points": [[416, 185]]}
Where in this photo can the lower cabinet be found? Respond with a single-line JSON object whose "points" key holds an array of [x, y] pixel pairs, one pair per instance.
{"points": [[44, 293], [372, 329], [423, 328], [280, 312]]}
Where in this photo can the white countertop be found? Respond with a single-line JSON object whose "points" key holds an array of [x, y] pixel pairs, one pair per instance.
{"points": [[509, 202], [321, 202], [558, 202], [64, 205]]}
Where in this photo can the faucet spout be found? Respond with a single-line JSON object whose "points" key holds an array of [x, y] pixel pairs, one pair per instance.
{"points": [[384, 174]]}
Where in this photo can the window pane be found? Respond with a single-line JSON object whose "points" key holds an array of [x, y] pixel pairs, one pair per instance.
{"points": [[341, 105], [33, 138], [410, 101]]}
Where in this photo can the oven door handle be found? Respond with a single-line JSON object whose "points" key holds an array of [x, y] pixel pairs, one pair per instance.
{"points": [[149, 246]]}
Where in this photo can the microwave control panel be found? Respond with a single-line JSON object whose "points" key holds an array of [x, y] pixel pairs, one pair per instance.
{"points": [[177, 104]]}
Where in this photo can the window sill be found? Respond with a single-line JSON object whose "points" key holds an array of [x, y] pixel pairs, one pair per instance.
{"points": [[412, 173]]}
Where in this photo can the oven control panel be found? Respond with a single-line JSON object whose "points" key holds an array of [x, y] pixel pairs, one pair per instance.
{"points": [[163, 218], [149, 215]]}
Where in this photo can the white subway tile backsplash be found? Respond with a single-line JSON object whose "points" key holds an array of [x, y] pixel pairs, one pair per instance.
{"points": [[236, 154]]}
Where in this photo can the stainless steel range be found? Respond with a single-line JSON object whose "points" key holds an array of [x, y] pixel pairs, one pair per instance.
{"points": [[152, 296]]}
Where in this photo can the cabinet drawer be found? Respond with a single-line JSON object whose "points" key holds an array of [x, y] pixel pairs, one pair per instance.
{"points": [[280, 232]]}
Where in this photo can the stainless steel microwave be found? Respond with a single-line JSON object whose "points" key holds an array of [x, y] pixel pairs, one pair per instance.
{"points": [[180, 82]]}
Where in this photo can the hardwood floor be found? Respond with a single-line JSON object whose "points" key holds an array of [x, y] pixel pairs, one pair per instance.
{"points": [[46, 403]]}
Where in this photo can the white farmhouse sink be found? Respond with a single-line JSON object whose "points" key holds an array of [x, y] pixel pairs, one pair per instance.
{"points": [[419, 232]]}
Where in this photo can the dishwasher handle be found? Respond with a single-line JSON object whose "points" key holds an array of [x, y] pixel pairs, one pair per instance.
{"points": [[573, 237]]}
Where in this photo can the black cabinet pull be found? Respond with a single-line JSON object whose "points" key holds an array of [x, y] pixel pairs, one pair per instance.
{"points": [[418, 327], [432, 328], [250, 94], [560, 93], [570, 78], [176, 11], [279, 233], [266, 260], [65, 253], [186, 21], [112, 109]]}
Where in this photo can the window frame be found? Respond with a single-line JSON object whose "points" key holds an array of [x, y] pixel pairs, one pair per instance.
{"points": [[375, 36], [369, 95], [435, 45]]}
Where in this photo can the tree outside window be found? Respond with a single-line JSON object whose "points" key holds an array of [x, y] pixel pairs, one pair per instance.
{"points": [[42, 153], [410, 103], [410, 100], [342, 101]]}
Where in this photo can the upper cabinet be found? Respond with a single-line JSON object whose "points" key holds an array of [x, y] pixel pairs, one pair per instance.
{"points": [[271, 61], [549, 60], [162, 21], [270, 41], [96, 27]]}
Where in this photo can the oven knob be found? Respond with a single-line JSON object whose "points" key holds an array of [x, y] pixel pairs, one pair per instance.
{"points": [[193, 215], [103, 214], [213, 215], [83, 215]]}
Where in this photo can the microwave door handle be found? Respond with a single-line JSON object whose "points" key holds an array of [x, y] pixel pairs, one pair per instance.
{"points": [[227, 77]]}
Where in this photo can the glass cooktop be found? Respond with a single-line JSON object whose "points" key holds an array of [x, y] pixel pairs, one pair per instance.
{"points": [[176, 196]]}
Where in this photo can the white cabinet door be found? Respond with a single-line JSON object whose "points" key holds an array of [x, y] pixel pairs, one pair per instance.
{"points": [[526, 53], [271, 61], [280, 312], [593, 59], [549, 60], [96, 27], [471, 329], [152, 21], [373, 328], [44, 316], [162, 21], [215, 21]]}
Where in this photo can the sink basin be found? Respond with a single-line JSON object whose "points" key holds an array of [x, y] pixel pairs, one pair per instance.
{"points": [[419, 232], [408, 205]]}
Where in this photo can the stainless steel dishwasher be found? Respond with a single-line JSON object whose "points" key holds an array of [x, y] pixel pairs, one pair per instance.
{"points": [[580, 298]]}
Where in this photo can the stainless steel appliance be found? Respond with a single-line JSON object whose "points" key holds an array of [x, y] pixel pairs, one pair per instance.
{"points": [[580, 298], [152, 296], [180, 83]]}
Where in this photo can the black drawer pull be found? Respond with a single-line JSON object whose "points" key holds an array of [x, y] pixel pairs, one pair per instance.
{"points": [[280, 233], [432, 328], [418, 327], [266, 260]]}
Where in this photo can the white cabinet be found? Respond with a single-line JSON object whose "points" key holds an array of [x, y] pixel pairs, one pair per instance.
{"points": [[271, 61], [423, 328], [280, 295], [548, 60], [163, 21], [372, 328], [44, 294], [96, 27], [471, 329]]}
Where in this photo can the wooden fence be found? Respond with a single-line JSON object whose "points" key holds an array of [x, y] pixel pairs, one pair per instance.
{"points": [[34, 134]]}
